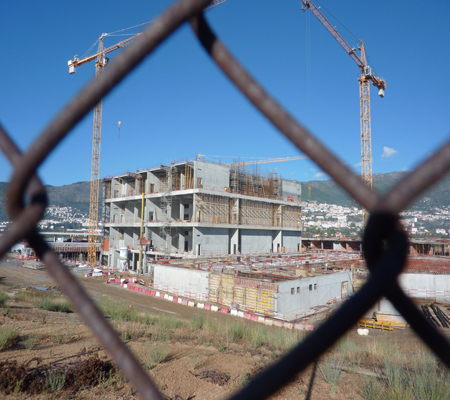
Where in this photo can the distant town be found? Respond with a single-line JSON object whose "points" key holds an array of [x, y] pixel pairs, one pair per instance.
{"points": [[60, 218], [331, 220], [319, 219]]}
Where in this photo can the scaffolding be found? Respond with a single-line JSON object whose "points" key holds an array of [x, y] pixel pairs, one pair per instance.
{"points": [[188, 177], [212, 209], [240, 293], [253, 183], [256, 213], [216, 209]]}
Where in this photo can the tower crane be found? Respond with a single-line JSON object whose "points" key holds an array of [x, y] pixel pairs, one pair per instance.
{"points": [[366, 77], [256, 162], [101, 62], [266, 161]]}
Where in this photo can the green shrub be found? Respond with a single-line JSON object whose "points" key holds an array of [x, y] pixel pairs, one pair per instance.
{"points": [[169, 321], [428, 382], [3, 299], [213, 326], [372, 389], [284, 339], [330, 370], [29, 342], [157, 352], [258, 336], [50, 304], [9, 336], [118, 311], [197, 322], [397, 378], [55, 380], [236, 332]]}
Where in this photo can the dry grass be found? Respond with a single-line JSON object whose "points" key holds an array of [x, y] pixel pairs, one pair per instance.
{"points": [[404, 371]]}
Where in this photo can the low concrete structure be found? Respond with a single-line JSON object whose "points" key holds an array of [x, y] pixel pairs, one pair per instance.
{"points": [[296, 295], [177, 279], [284, 297], [426, 286]]}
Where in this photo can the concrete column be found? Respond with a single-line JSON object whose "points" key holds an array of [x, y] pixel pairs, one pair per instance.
{"points": [[181, 240], [194, 211], [234, 241], [181, 211], [277, 241]]}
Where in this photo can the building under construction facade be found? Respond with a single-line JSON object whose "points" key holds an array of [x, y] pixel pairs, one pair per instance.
{"points": [[199, 209]]}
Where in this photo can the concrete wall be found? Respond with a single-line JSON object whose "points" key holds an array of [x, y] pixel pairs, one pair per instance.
{"points": [[152, 179], [255, 240], [212, 175], [328, 287], [210, 240], [291, 188], [292, 241], [182, 279], [425, 282], [277, 241], [385, 306]]}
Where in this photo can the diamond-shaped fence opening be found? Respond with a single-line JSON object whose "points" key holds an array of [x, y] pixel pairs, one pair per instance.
{"points": [[384, 242]]}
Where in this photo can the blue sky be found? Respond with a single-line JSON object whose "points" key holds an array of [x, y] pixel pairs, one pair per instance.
{"points": [[178, 103]]}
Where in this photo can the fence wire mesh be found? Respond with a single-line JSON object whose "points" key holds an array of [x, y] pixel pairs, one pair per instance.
{"points": [[384, 242]]}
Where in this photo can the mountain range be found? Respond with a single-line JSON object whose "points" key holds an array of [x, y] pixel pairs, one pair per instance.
{"points": [[331, 193], [76, 195]]}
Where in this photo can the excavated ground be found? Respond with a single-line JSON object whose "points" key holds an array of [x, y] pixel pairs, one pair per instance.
{"points": [[56, 356]]}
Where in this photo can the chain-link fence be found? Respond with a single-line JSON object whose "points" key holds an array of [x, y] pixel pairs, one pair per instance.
{"points": [[384, 242]]}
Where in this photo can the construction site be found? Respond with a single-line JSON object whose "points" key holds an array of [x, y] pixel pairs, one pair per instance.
{"points": [[193, 209]]}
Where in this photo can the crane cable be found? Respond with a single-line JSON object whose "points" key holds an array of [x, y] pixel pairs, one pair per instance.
{"points": [[131, 27], [353, 36], [308, 67], [328, 11]]}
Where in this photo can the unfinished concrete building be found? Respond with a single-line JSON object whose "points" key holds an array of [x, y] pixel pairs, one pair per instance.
{"points": [[286, 295], [197, 208]]}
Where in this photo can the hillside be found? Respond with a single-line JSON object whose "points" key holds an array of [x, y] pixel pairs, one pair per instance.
{"points": [[329, 192], [76, 195]]}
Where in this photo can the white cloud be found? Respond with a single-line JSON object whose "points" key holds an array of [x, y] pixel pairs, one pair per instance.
{"points": [[320, 175], [388, 152], [357, 165], [406, 169]]}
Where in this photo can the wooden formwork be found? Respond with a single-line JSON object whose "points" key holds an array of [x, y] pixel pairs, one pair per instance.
{"points": [[254, 295]]}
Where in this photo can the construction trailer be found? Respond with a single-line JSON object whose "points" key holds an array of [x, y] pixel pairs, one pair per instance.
{"points": [[199, 209]]}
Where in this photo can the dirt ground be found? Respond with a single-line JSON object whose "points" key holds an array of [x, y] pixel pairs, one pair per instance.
{"points": [[191, 369]]}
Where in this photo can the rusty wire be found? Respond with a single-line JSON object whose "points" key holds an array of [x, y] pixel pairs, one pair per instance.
{"points": [[384, 243]]}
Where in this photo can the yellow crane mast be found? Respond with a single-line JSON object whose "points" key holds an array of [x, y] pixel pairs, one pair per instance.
{"points": [[101, 62], [367, 76]]}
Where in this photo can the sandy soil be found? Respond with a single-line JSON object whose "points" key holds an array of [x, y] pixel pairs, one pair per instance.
{"points": [[191, 370]]}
